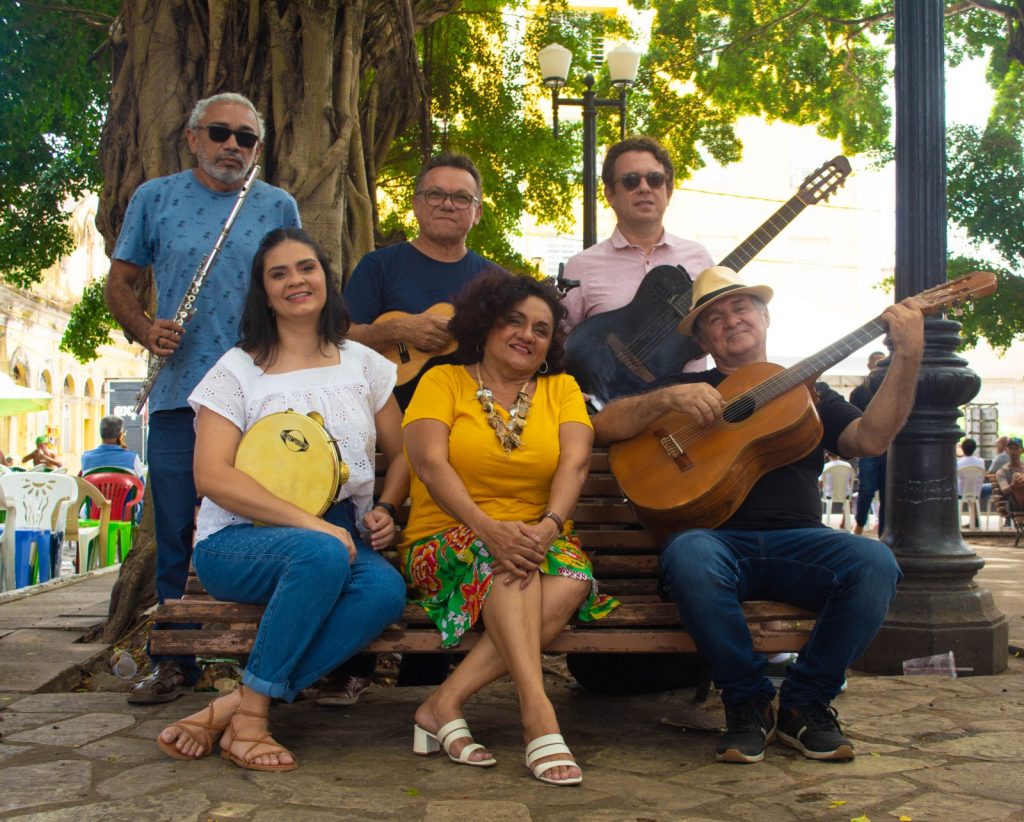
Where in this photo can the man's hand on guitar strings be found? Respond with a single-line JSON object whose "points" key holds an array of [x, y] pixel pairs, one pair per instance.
{"points": [[698, 400], [427, 332]]}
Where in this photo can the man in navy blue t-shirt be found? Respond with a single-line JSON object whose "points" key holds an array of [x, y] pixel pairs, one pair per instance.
{"points": [[431, 268]]}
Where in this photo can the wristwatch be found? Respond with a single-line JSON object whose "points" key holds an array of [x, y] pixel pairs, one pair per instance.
{"points": [[387, 506]]}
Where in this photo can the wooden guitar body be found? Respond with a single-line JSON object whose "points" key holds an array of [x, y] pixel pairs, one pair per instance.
{"points": [[621, 352], [680, 475], [409, 359]]}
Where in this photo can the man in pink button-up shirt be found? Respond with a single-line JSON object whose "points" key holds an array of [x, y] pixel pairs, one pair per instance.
{"points": [[638, 183]]}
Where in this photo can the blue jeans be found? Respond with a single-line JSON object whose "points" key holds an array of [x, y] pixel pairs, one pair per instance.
{"points": [[170, 449], [871, 476], [320, 609], [848, 580]]}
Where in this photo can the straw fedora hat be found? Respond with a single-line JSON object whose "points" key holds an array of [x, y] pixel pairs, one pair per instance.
{"points": [[713, 284]]}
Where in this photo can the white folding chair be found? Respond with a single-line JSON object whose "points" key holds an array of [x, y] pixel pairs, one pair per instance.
{"points": [[969, 480], [837, 489], [41, 501], [7, 543]]}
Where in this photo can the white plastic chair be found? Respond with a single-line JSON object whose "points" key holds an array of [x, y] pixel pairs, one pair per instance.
{"points": [[969, 480], [837, 489], [7, 543], [41, 501], [89, 555]]}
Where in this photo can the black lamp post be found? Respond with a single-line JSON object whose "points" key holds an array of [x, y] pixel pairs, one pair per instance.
{"points": [[623, 62]]}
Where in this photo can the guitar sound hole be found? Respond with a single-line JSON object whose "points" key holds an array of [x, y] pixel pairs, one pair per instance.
{"points": [[739, 409]]}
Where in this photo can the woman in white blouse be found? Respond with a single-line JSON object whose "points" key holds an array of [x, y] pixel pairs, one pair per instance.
{"points": [[328, 592]]}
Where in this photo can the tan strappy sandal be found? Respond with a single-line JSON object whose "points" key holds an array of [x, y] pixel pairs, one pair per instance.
{"points": [[206, 733], [243, 761]]}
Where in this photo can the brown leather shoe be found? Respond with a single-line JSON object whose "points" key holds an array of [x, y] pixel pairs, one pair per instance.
{"points": [[343, 693], [167, 682]]}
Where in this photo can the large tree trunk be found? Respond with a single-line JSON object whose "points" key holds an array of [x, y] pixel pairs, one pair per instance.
{"points": [[336, 80]]}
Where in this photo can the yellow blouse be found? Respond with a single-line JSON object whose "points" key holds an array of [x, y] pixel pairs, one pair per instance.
{"points": [[512, 486]]}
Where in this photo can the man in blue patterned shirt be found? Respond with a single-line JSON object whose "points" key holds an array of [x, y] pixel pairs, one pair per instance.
{"points": [[171, 224]]}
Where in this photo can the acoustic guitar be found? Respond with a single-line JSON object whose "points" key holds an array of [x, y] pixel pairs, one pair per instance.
{"points": [[623, 351], [678, 474], [409, 359]]}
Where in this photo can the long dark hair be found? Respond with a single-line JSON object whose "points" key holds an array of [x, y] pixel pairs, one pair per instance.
{"points": [[257, 329], [487, 300]]}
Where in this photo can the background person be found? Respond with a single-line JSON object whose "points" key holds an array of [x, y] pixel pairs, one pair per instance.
{"points": [[171, 224], [487, 535], [328, 593], [43, 454], [871, 470], [113, 451]]}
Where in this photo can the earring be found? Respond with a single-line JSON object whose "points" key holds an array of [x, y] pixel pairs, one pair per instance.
{"points": [[544, 368], [479, 349]]}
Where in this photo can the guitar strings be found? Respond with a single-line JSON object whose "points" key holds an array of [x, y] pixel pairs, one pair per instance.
{"points": [[774, 386]]}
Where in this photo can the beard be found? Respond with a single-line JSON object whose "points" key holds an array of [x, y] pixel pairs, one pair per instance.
{"points": [[227, 176]]}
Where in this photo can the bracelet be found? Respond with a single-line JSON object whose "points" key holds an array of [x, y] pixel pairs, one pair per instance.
{"points": [[387, 506], [551, 515]]}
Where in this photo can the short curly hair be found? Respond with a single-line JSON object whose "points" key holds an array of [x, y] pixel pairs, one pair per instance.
{"points": [[486, 302]]}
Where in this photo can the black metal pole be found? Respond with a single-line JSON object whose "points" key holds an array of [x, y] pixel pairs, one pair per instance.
{"points": [[589, 164], [938, 606]]}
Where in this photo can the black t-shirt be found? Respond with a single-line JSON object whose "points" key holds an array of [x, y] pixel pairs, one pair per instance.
{"points": [[787, 497]]}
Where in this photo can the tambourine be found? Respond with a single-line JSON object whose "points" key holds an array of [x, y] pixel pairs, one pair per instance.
{"points": [[294, 457]]}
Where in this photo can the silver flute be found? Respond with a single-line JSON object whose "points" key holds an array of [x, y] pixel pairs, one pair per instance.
{"points": [[187, 308]]}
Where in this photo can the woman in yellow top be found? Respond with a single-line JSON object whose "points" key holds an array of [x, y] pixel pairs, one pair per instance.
{"points": [[490, 496]]}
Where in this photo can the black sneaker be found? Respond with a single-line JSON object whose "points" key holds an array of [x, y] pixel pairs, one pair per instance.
{"points": [[749, 727], [814, 731]]}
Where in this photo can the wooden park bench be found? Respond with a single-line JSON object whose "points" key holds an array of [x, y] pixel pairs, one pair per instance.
{"points": [[625, 558]]}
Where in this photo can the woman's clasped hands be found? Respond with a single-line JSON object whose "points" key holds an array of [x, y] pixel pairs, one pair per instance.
{"points": [[517, 547]]}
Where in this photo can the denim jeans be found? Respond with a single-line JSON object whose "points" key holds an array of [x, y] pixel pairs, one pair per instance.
{"points": [[871, 479], [170, 449], [320, 609], [848, 580]]}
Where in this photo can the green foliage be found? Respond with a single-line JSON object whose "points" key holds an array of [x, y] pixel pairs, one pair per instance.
{"points": [[90, 325], [999, 318], [53, 89]]}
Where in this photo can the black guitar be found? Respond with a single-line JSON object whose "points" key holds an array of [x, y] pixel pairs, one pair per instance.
{"points": [[623, 351]]}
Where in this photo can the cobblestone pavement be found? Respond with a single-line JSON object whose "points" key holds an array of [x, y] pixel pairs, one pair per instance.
{"points": [[929, 748]]}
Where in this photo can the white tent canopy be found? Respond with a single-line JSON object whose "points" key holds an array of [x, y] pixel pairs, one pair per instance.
{"points": [[16, 399]]}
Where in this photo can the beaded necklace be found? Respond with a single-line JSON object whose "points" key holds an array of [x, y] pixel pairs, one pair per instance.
{"points": [[509, 433]]}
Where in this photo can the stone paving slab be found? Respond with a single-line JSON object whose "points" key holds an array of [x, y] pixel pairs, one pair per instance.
{"points": [[929, 749]]}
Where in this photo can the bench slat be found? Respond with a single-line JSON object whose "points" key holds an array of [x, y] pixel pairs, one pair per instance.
{"points": [[625, 558]]}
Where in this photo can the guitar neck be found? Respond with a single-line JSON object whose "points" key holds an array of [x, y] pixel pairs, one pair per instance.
{"points": [[807, 369], [764, 234]]}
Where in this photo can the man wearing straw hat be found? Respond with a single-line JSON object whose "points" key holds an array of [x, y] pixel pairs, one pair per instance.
{"points": [[774, 546]]}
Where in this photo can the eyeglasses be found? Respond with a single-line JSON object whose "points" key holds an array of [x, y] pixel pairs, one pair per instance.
{"points": [[221, 134], [435, 197], [631, 180]]}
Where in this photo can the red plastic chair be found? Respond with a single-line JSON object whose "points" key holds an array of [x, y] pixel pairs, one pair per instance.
{"points": [[124, 492]]}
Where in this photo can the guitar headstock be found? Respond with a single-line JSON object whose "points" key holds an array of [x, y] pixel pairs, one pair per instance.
{"points": [[824, 181], [968, 287]]}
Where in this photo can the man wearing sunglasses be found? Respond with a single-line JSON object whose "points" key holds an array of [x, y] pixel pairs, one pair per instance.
{"points": [[171, 223], [638, 182]]}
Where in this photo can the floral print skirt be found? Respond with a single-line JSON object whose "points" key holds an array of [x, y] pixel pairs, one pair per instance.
{"points": [[450, 574]]}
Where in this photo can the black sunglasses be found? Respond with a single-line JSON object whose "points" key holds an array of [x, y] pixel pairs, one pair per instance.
{"points": [[245, 139], [631, 181]]}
